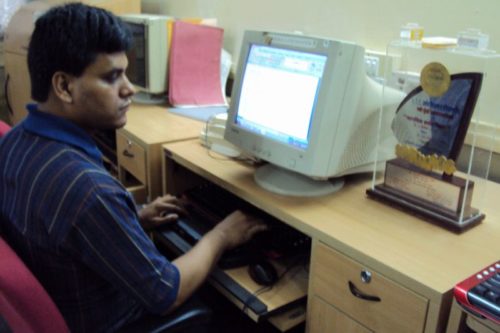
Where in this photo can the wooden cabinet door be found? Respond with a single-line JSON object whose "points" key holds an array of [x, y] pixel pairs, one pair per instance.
{"points": [[323, 318]]}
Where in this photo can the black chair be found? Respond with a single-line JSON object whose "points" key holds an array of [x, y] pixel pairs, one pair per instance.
{"points": [[191, 317]]}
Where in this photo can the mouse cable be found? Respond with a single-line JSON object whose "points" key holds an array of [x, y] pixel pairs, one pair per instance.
{"points": [[253, 297]]}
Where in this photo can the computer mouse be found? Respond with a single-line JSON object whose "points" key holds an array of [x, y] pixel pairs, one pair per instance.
{"points": [[263, 273]]}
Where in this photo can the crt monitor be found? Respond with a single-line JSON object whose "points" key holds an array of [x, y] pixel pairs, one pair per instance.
{"points": [[148, 57], [305, 105]]}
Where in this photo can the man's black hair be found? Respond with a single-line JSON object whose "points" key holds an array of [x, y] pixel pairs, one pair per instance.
{"points": [[68, 38]]}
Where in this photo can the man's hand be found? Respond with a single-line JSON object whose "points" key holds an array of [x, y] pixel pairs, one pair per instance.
{"points": [[162, 210], [196, 264], [238, 228]]}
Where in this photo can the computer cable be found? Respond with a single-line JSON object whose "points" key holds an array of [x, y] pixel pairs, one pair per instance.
{"points": [[223, 150]]}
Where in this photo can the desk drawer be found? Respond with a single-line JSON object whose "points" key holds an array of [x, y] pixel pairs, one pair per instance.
{"points": [[336, 278], [481, 325], [325, 318], [131, 156]]}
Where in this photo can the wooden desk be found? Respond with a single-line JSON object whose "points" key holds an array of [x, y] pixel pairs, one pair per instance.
{"points": [[138, 147], [413, 264]]}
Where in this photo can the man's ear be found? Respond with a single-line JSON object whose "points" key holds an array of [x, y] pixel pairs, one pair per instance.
{"points": [[62, 85]]}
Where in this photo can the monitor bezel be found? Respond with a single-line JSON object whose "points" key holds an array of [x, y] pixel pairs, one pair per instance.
{"points": [[337, 83], [156, 31]]}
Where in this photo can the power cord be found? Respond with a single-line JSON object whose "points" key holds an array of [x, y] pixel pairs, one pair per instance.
{"points": [[245, 158]]}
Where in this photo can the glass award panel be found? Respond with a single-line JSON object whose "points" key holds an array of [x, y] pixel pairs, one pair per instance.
{"points": [[443, 133]]}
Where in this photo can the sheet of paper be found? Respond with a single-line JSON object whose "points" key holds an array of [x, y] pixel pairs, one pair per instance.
{"points": [[199, 113]]}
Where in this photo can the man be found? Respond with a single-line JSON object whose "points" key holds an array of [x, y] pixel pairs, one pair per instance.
{"points": [[72, 223]]}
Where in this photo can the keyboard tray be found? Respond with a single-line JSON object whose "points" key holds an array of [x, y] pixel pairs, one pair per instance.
{"points": [[209, 204]]}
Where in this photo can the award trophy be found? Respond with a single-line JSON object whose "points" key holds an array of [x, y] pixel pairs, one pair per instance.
{"points": [[430, 125]]}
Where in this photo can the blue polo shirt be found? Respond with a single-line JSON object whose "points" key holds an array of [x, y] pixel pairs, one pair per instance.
{"points": [[76, 227]]}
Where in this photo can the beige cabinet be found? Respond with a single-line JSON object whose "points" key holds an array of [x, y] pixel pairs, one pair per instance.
{"points": [[18, 87], [132, 167], [115, 6], [462, 321], [324, 317], [17, 80], [366, 297], [479, 325], [139, 151]]}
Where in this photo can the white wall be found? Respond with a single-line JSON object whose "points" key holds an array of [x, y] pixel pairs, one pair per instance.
{"points": [[371, 23]]}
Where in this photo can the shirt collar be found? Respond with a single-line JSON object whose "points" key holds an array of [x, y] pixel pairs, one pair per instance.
{"points": [[60, 129]]}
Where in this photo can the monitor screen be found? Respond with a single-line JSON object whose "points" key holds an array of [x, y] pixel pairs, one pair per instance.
{"points": [[300, 74], [136, 70], [305, 105]]}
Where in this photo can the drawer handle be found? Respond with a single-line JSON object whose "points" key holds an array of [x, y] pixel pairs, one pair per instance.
{"points": [[359, 294], [127, 153], [6, 94]]}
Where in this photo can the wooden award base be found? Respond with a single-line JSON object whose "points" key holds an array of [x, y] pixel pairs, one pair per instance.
{"points": [[438, 199]]}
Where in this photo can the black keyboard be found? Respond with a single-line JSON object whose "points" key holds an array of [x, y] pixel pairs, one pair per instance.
{"points": [[209, 204], [480, 293]]}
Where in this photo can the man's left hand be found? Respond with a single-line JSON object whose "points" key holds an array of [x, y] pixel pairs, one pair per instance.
{"points": [[162, 210]]}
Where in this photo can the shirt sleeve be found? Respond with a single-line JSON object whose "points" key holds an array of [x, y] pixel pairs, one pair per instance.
{"points": [[108, 237]]}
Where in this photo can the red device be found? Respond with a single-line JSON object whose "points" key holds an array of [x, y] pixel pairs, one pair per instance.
{"points": [[480, 293]]}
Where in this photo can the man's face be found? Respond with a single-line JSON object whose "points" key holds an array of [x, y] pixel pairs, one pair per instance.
{"points": [[101, 95]]}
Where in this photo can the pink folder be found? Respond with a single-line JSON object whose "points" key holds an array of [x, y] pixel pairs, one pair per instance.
{"points": [[194, 67]]}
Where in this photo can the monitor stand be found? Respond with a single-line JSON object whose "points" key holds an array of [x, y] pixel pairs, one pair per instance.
{"points": [[142, 97], [282, 181]]}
